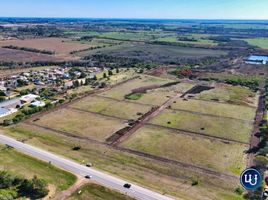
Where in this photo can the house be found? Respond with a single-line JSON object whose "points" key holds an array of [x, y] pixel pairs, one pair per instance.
{"points": [[28, 98], [38, 104]]}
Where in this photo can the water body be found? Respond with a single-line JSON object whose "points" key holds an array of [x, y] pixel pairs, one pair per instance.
{"points": [[257, 60]]}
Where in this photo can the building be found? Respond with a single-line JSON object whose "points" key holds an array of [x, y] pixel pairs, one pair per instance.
{"points": [[38, 104], [28, 98], [5, 111]]}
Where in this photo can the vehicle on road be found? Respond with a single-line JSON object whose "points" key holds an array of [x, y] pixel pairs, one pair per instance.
{"points": [[127, 185], [88, 177]]}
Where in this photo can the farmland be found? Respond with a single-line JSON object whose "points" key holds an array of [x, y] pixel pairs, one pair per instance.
{"points": [[259, 42], [57, 45], [9, 55]]}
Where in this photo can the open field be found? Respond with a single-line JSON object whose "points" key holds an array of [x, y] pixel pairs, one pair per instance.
{"points": [[230, 94], [201, 40], [162, 177], [122, 90], [217, 109], [27, 167], [112, 107], [236, 130], [199, 151], [259, 42], [57, 45], [156, 53], [95, 192], [9, 55], [81, 124]]}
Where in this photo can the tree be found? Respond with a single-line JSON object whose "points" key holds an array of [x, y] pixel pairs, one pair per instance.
{"points": [[95, 78], [104, 75], [117, 70], [110, 72]]}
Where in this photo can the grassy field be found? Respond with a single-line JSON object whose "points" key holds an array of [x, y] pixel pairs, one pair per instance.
{"points": [[259, 42], [214, 108], [158, 176], [201, 40], [95, 192], [198, 151], [81, 124], [111, 107], [122, 90], [26, 166], [230, 94], [236, 130]]}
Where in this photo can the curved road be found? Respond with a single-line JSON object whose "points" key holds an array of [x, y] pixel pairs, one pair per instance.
{"points": [[75, 168]]}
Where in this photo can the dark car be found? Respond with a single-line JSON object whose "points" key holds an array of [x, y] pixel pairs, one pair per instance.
{"points": [[88, 176], [127, 185]]}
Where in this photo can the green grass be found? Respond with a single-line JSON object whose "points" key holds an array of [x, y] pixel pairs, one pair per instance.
{"points": [[134, 96], [198, 151], [110, 107], [230, 94], [259, 42], [220, 127], [217, 109], [96, 192], [27, 166]]}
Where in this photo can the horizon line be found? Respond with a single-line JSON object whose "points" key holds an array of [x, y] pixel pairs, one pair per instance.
{"points": [[119, 18]]}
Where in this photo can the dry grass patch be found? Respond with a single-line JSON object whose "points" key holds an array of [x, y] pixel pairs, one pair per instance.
{"points": [[114, 108], [218, 109], [220, 127], [58, 45], [81, 124], [198, 151]]}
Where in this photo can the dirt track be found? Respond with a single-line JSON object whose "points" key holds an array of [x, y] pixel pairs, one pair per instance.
{"points": [[254, 140]]}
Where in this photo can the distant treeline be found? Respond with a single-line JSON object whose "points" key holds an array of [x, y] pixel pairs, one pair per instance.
{"points": [[30, 49]]}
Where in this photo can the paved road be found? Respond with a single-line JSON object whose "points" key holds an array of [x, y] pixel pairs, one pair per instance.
{"points": [[73, 167]]}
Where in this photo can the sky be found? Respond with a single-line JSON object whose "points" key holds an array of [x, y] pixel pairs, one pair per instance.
{"points": [[146, 9]]}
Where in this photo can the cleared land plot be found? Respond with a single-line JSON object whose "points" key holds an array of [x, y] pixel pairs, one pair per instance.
{"points": [[96, 192], [109, 107], [10, 55], [158, 53], [219, 127], [230, 94], [162, 177], [81, 124], [58, 45], [198, 151], [27, 167], [217, 109], [122, 90]]}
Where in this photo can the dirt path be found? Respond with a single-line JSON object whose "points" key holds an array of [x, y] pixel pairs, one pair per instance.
{"points": [[254, 140], [145, 120], [67, 193]]}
